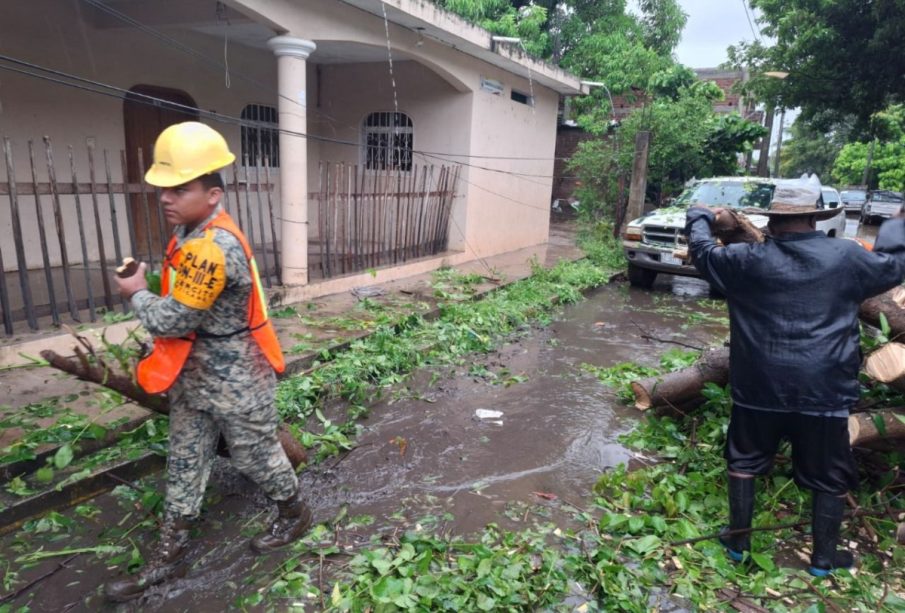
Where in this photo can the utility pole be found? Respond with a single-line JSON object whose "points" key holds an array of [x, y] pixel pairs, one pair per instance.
{"points": [[870, 159], [763, 160], [638, 185], [782, 124]]}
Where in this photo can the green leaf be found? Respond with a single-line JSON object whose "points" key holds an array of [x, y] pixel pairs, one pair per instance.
{"points": [[880, 424], [645, 544], [44, 474], [63, 457], [763, 561], [884, 325]]}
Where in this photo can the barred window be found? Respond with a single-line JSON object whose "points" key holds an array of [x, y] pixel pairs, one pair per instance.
{"points": [[388, 141], [259, 142]]}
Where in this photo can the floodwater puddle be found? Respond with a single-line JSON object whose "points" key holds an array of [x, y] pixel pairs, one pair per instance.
{"points": [[519, 427]]}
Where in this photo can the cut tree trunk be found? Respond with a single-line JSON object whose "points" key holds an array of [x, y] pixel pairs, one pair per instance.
{"points": [[892, 305], [887, 365], [681, 386], [84, 369], [862, 427]]}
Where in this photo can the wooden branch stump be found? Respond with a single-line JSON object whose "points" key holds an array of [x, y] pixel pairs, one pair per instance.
{"points": [[862, 427], [681, 386], [887, 365], [892, 305], [100, 374]]}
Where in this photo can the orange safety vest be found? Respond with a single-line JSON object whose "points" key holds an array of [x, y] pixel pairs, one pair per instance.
{"points": [[157, 372]]}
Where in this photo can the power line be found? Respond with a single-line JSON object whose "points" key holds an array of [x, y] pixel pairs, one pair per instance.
{"points": [[219, 65], [120, 94], [750, 22], [113, 91]]}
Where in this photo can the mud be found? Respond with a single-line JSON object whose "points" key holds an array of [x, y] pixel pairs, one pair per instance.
{"points": [[424, 456]]}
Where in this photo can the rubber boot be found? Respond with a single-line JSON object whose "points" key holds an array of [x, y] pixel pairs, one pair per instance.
{"points": [[166, 561], [825, 525], [292, 521], [741, 510]]}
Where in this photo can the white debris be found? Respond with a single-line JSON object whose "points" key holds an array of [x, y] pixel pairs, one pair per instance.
{"points": [[488, 414]]}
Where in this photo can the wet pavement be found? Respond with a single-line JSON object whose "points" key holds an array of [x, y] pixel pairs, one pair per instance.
{"points": [[425, 454], [452, 449]]}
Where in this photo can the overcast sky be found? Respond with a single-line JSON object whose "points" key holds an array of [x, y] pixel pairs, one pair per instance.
{"points": [[712, 26]]}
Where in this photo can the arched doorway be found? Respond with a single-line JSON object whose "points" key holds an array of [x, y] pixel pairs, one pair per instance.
{"points": [[147, 110]]}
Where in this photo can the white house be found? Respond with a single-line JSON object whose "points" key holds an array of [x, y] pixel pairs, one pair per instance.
{"points": [[390, 132]]}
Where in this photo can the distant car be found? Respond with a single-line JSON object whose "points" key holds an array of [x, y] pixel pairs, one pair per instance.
{"points": [[881, 203], [853, 199], [834, 226], [650, 242]]}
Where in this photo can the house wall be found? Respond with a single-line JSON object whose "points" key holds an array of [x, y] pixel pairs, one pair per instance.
{"points": [[495, 211], [438, 86], [60, 34]]}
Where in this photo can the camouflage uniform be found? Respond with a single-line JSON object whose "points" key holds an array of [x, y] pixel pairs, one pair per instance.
{"points": [[226, 386]]}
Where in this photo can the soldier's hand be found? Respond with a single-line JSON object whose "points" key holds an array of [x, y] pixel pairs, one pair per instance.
{"points": [[129, 285]]}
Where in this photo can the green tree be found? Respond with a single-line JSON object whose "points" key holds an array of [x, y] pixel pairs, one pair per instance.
{"points": [[688, 139], [888, 160], [844, 57], [811, 150]]}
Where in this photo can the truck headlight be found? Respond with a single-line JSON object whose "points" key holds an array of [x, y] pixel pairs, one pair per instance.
{"points": [[632, 233]]}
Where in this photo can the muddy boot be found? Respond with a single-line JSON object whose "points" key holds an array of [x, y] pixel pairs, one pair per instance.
{"points": [[166, 561], [741, 509], [825, 530], [292, 521]]}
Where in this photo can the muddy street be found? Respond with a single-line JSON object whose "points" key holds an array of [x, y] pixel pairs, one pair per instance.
{"points": [[452, 449]]}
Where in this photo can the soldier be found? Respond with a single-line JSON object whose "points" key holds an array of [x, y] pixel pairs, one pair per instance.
{"points": [[215, 353], [794, 354]]}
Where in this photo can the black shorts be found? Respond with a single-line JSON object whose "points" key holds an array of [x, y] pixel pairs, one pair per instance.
{"points": [[821, 454]]}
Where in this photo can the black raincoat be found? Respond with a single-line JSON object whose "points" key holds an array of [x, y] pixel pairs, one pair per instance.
{"points": [[793, 306]]}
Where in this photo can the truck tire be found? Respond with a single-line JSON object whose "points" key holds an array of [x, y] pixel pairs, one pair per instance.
{"points": [[641, 277]]}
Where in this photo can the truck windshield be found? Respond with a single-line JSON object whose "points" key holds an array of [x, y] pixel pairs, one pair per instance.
{"points": [[854, 196], [735, 194]]}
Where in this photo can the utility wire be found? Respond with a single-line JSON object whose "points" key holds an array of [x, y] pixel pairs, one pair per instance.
{"points": [[750, 22], [220, 66], [112, 91]]}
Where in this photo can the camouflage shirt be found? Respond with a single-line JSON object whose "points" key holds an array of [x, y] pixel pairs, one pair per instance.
{"points": [[227, 368]]}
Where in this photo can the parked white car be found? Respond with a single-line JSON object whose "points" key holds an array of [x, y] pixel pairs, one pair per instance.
{"points": [[650, 242], [835, 225]]}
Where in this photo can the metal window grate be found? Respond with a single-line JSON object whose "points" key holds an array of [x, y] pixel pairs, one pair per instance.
{"points": [[388, 141], [260, 142]]}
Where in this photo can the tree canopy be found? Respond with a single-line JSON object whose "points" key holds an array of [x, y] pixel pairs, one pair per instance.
{"points": [[844, 57]]}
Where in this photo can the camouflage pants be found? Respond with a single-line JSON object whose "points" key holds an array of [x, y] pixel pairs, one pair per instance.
{"points": [[250, 433]]}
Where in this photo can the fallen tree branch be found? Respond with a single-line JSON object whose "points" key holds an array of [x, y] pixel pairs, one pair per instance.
{"points": [[681, 386], [36, 580], [102, 375], [650, 337]]}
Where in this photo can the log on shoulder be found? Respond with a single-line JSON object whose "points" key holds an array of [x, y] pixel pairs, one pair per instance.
{"points": [[681, 386], [865, 428], [99, 373]]}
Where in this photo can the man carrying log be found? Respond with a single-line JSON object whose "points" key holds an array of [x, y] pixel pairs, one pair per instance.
{"points": [[794, 353], [215, 353]]}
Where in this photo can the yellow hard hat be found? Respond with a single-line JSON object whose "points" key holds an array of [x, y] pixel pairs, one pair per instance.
{"points": [[186, 151]]}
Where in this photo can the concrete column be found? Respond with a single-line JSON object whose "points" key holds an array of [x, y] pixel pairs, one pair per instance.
{"points": [[292, 105]]}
